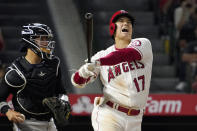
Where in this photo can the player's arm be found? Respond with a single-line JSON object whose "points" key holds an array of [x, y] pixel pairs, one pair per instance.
{"points": [[139, 50], [10, 82], [59, 84], [79, 81], [87, 73], [4, 92], [122, 55], [60, 91]]}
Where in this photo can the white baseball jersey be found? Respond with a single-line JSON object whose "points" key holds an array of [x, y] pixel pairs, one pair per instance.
{"points": [[128, 83]]}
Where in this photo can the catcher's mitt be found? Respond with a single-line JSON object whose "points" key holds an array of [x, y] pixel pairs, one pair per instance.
{"points": [[60, 109]]}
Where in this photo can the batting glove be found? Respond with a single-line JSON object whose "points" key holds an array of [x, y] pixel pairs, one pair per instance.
{"points": [[87, 70]]}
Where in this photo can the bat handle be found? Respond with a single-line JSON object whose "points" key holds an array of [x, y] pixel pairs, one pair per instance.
{"points": [[88, 16], [89, 22], [89, 60]]}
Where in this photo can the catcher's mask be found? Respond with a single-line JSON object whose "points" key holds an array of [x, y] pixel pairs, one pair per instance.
{"points": [[115, 17], [38, 37]]}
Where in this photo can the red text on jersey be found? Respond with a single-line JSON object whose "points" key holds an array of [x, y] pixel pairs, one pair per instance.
{"points": [[123, 67]]}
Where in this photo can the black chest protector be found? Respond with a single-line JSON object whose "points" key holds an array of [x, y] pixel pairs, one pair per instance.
{"points": [[40, 81]]}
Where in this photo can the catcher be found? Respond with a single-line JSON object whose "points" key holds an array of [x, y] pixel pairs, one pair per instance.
{"points": [[35, 82]]}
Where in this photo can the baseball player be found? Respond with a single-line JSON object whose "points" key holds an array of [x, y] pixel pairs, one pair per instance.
{"points": [[32, 78], [125, 71]]}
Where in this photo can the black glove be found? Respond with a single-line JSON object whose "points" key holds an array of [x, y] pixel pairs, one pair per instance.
{"points": [[59, 108]]}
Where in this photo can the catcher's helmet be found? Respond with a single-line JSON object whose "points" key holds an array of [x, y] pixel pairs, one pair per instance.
{"points": [[33, 31], [114, 18]]}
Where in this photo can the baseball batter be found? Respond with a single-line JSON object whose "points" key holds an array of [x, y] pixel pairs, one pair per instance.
{"points": [[125, 70]]}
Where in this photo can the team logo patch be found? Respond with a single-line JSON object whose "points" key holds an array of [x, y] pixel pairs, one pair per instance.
{"points": [[42, 74], [137, 43]]}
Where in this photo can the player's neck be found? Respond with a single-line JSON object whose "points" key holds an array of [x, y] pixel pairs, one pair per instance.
{"points": [[32, 58], [119, 43]]}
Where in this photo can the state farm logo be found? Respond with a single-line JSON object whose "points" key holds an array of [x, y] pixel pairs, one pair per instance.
{"points": [[83, 105], [163, 106]]}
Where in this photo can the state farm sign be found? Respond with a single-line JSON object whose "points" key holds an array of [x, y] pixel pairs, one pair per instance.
{"points": [[181, 104], [163, 106], [157, 104], [82, 104]]}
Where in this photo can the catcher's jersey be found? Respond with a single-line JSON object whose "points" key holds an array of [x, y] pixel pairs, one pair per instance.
{"points": [[39, 81], [128, 83]]}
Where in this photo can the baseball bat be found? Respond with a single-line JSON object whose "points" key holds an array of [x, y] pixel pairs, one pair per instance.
{"points": [[89, 34]]}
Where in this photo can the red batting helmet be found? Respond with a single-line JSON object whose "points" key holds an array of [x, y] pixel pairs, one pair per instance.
{"points": [[114, 18]]}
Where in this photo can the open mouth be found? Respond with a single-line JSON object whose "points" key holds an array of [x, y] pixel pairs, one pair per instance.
{"points": [[125, 30]]}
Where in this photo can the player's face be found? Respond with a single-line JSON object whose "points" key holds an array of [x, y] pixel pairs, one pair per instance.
{"points": [[124, 28], [43, 42]]}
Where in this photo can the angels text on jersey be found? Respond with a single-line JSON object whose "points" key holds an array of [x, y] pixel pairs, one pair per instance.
{"points": [[117, 70]]}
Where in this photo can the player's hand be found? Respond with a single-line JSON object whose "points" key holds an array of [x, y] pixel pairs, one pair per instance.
{"points": [[87, 70], [14, 116], [95, 63]]}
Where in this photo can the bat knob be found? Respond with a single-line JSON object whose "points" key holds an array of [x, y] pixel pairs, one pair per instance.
{"points": [[88, 16]]}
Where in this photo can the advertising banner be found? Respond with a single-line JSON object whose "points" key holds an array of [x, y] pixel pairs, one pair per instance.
{"points": [[157, 104]]}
